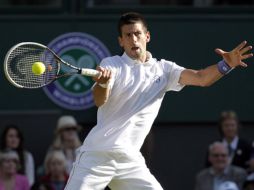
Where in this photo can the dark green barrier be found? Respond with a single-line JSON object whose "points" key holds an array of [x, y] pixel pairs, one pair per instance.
{"points": [[186, 39]]}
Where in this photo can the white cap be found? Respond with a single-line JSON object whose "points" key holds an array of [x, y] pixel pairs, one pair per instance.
{"points": [[228, 185], [66, 121]]}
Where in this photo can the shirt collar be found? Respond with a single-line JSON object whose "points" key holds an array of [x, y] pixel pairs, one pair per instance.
{"points": [[212, 171], [131, 61], [233, 144]]}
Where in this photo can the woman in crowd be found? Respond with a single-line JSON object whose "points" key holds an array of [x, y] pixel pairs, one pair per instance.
{"points": [[9, 178], [55, 168], [12, 139], [67, 138]]}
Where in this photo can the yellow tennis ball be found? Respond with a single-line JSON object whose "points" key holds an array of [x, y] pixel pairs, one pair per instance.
{"points": [[38, 68]]}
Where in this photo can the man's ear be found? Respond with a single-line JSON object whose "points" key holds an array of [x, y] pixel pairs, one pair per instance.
{"points": [[120, 41], [148, 36]]}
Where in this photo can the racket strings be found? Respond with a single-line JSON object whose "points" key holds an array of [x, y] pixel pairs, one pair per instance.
{"points": [[20, 63]]}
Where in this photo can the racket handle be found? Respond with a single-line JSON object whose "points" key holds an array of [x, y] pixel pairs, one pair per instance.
{"points": [[90, 72]]}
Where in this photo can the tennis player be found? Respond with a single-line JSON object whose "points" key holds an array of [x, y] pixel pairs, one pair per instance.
{"points": [[129, 93]]}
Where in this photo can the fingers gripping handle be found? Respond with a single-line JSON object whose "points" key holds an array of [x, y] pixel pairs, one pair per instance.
{"points": [[90, 72]]}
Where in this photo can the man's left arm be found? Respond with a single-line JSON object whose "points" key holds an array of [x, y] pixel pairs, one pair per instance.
{"points": [[209, 75]]}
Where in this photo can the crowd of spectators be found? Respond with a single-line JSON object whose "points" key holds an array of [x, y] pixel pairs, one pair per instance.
{"points": [[17, 170], [229, 160]]}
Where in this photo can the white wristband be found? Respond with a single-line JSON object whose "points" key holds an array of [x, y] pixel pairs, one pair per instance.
{"points": [[105, 85]]}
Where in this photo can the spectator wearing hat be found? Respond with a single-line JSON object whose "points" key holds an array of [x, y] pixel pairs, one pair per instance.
{"points": [[9, 178], [67, 138], [220, 171]]}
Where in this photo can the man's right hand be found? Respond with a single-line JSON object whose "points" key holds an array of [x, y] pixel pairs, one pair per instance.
{"points": [[104, 77]]}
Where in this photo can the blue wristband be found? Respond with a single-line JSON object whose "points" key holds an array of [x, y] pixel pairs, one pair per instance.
{"points": [[223, 67]]}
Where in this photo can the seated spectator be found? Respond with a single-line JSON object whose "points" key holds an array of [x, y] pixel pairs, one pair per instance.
{"points": [[249, 183], [12, 139], [55, 168], [239, 149], [67, 138], [220, 171], [9, 179]]}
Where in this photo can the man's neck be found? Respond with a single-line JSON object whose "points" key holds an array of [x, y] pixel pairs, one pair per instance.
{"points": [[144, 57], [219, 171], [230, 139]]}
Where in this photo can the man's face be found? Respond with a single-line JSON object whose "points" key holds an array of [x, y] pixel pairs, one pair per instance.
{"points": [[134, 39], [230, 128], [218, 157]]}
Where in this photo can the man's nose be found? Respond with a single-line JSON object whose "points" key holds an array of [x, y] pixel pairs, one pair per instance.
{"points": [[134, 37]]}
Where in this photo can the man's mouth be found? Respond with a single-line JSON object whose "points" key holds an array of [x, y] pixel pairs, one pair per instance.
{"points": [[134, 48]]}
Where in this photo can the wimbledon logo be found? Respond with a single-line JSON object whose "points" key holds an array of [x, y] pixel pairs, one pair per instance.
{"points": [[82, 50]]}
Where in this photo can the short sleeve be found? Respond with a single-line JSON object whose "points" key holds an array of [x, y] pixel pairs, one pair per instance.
{"points": [[107, 63], [174, 72]]}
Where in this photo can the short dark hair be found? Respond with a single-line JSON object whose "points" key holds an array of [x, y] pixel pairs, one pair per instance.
{"points": [[131, 18]]}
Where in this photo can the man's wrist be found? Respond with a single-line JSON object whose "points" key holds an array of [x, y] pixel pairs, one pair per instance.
{"points": [[103, 85], [223, 67]]}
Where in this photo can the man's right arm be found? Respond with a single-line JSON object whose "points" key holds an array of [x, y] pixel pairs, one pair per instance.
{"points": [[101, 90]]}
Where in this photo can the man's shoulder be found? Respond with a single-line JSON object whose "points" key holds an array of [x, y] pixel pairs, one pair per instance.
{"points": [[112, 58], [243, 143], [164, 61], [112, 61], [237, 170], [203, 173]]}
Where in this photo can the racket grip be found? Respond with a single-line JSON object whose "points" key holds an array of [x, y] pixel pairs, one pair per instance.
{"points": [[90, 72]]}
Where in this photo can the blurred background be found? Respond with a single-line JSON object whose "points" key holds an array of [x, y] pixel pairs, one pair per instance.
{"points": [[183, 31]]}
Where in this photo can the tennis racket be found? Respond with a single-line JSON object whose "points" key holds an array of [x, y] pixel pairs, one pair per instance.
{"points": [[21, 57]]}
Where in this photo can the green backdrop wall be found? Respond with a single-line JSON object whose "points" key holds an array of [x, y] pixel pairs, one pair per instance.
{"points": [[188, 39]]}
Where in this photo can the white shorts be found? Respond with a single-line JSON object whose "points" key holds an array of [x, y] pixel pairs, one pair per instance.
{"points": [[116, 169]]}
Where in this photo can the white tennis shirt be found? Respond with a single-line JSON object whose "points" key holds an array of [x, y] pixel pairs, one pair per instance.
{"points": [[137, 90]]}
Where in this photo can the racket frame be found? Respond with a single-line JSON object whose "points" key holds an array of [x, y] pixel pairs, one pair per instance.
{"points": [[82, 71]]}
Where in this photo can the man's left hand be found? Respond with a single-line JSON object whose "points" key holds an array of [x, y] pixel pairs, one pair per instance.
{"points": [[235, 57]]}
